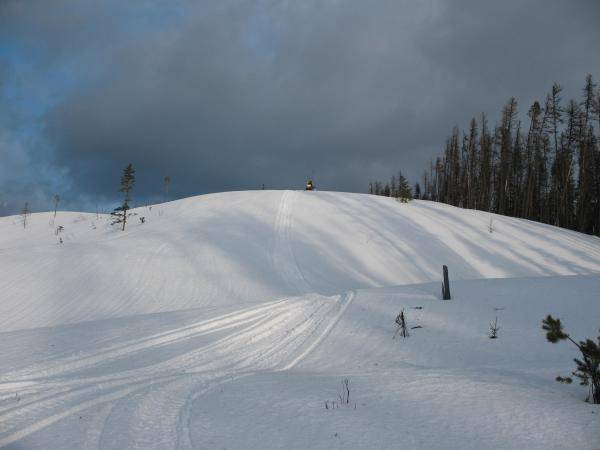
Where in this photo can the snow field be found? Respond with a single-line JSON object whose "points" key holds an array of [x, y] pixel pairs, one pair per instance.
{"points": [[227, 321]]}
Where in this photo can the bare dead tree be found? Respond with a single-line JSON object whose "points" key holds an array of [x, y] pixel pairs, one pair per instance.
{"points": [[56, 200], [24, 213], [167, 181], [402, 327]]}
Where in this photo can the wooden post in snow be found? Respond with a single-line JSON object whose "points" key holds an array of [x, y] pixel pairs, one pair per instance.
{"points": [[446, 285]]}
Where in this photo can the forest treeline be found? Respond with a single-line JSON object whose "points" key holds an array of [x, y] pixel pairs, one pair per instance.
{"points": [[545, 168]]}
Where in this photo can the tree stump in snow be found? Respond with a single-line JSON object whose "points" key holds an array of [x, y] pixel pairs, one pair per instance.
{"points": [[446, 285]]}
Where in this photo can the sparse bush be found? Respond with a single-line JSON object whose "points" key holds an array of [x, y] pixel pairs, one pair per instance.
{"points": [[587, 368], [343, 397], [345, 393], [494, 328]]}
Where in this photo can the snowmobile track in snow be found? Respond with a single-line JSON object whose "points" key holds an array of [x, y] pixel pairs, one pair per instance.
{"points": [[148, 406], [284, 259]]}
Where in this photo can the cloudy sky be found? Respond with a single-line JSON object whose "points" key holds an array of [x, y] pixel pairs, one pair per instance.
{"points": [[230, 94]]}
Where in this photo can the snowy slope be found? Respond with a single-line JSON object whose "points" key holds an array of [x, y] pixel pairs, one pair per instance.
{"points": [[244, 247], [228, 320], [446, 386]]}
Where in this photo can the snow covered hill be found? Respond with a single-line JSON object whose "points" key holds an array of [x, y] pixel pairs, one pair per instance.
{"points": [[230, 320], [239, 248]]}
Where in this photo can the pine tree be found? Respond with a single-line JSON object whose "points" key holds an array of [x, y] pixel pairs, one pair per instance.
{"points": [[586, 147], [404, 192], [417, 190], [550, 173], [505, 140], [485, 167], [470, 165], [555, 112], [563, 184], [531, 181], [515, 192], [588, 367], [386, 190], [120, 213]]}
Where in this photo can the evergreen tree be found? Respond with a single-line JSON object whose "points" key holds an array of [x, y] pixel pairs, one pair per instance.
{"points": [[485, 167], [471, 159], [515, 192], [404, 192], [551, 173], [586, 147], [588, 367], [417, 190], [505, 141], [121, 213], [386, 190], [531, 195]]}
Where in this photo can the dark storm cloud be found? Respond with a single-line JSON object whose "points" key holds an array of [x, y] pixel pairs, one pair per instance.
{"points": [[233, 94]]}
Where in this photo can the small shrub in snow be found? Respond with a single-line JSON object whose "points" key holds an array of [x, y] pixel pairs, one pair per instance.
{"points": [[402, 327], [494, 328], [343, 397], [588, 368], [345, 394]]}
